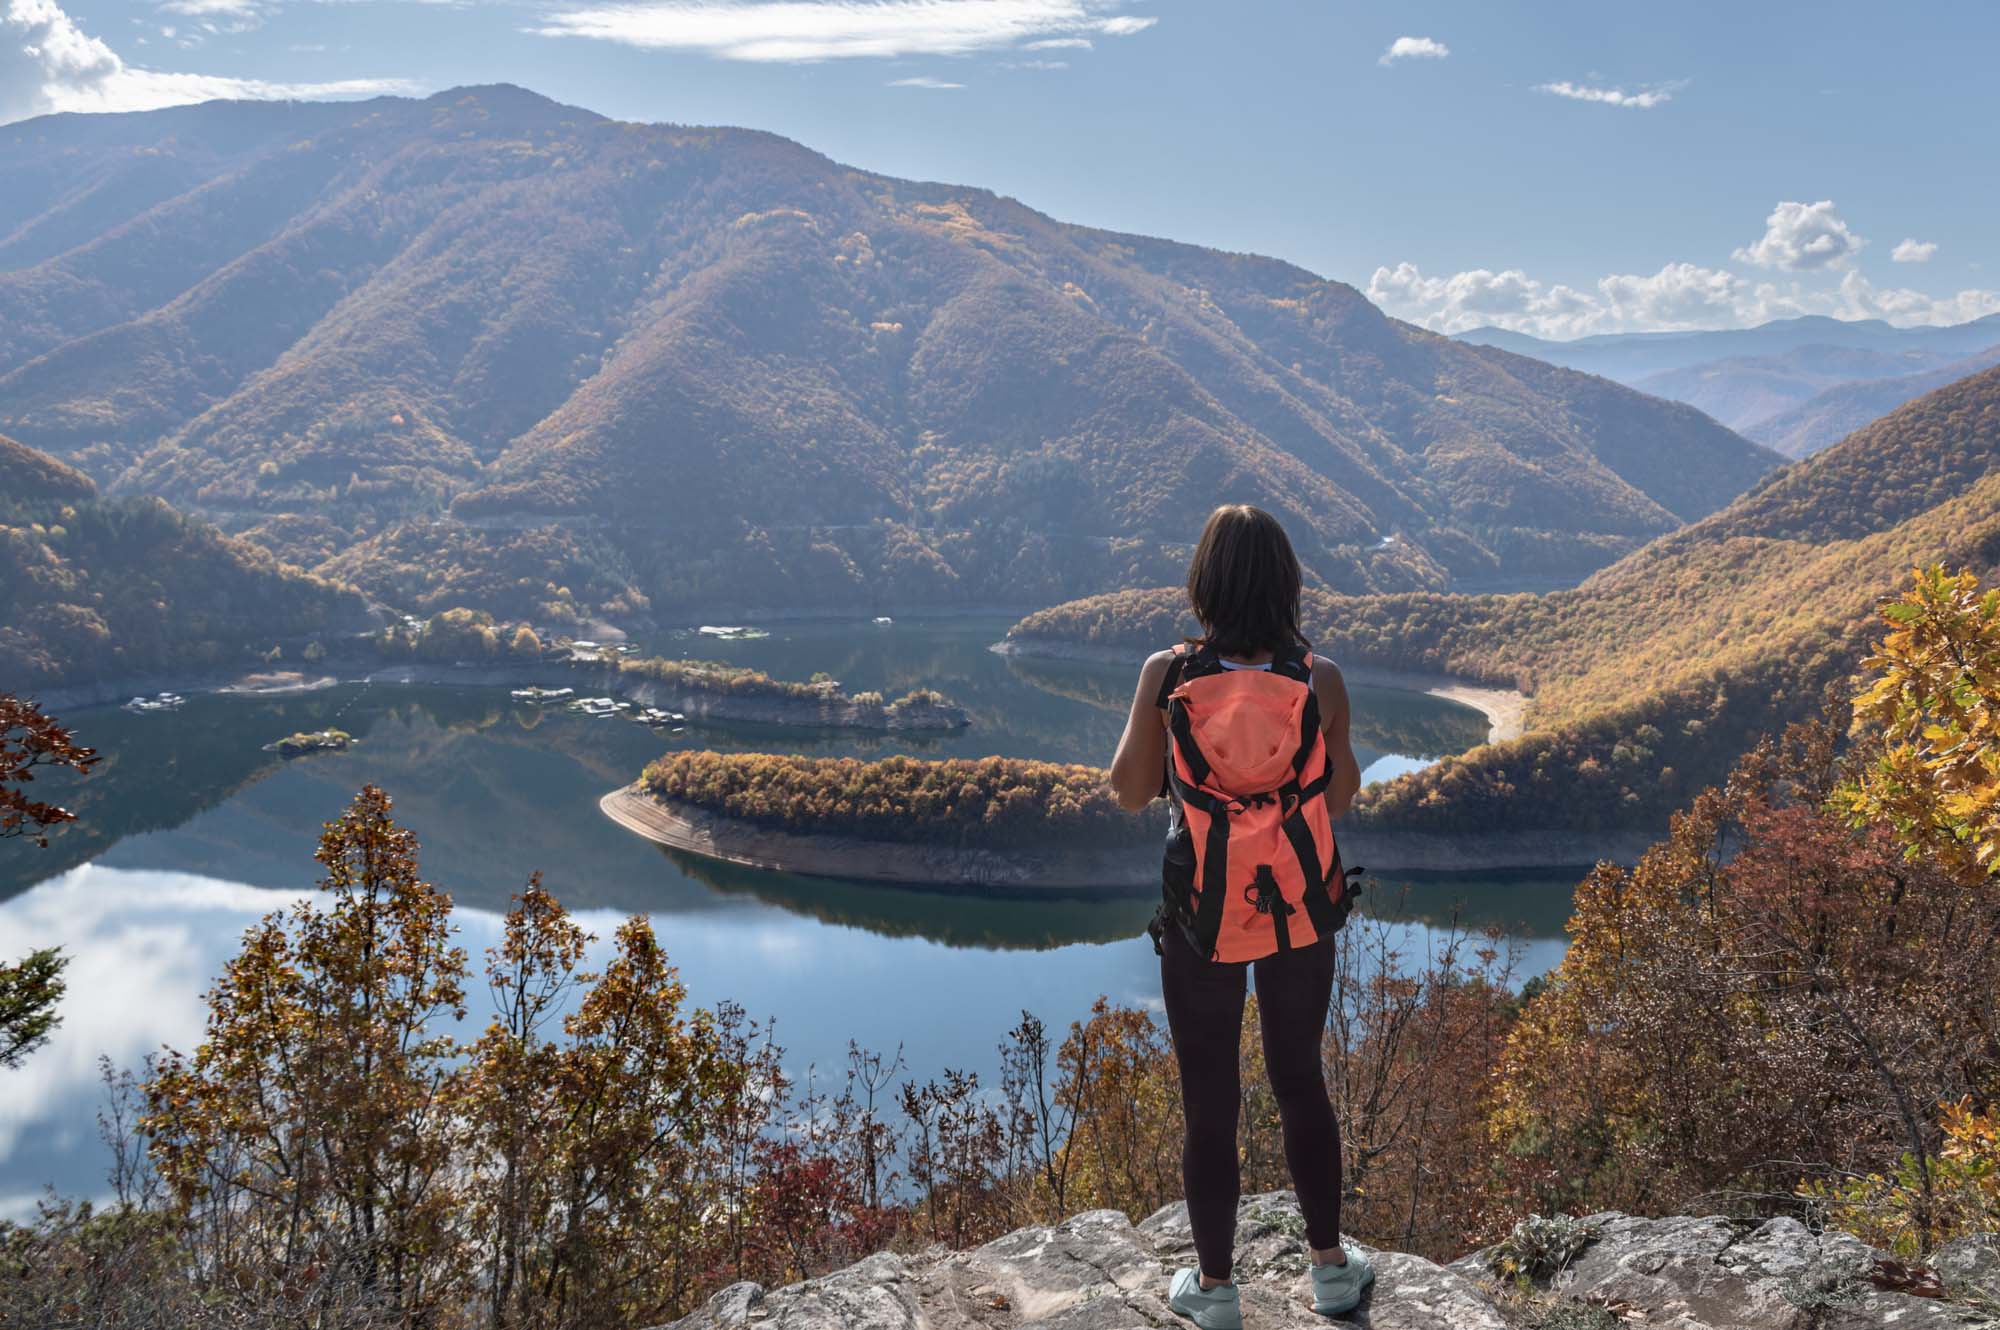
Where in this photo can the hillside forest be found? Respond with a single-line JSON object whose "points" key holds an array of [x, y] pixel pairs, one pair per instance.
{"points": [[483, 350]]}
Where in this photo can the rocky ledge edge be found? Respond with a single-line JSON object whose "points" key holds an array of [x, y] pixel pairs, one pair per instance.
{"points": [[1098, 1271]]}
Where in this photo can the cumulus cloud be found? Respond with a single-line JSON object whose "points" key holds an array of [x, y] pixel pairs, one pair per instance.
{"points": [[922, 81], [1679, 297], [1645, 99], [1414, 48], [1910, 250], [1800, 237], [809, 30], [48, 63], [1479, 297]]}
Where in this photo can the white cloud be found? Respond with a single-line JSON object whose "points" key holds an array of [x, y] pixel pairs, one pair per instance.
{"points": [[1414, 48], [1911, 250], [1678, 297], [1645, 99], [1800, 237], [1059, 44], [1478, 297], [808, 30], [48, 63], [921, 81], [1860, 298], [233, 8]]}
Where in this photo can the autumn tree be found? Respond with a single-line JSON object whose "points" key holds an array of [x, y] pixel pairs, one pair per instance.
{"points": [[643, 1081], [1123, 1151], [1770, 996], [1934, 705], [31, 988], [1411, 1054], [310, 1138], [31, 741]]}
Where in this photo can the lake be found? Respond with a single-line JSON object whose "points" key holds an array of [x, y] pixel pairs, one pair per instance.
{"points": [[189, 832]]}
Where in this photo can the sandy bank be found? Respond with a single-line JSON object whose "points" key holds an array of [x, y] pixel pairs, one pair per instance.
{"points": [[1133, 870], [904, 863], [1505, 709]]}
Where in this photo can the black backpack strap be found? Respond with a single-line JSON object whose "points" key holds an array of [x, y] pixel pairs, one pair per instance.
{"points": [[1168, 682], [1172, 679], [1294, 662]]}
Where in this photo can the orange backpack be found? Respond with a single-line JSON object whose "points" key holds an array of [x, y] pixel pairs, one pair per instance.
{"points": [[1251, 866]]}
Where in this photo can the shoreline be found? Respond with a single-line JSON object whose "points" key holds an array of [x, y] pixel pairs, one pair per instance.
{"points": [[1505, 709], [900, 863], [719, 707], [1129, 871]]}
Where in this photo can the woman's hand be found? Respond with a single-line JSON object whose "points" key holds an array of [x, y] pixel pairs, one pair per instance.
{"points": [[1137, 770]]}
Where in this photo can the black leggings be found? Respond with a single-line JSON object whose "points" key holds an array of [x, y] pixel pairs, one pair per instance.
{"points": [[1205, 1013]]}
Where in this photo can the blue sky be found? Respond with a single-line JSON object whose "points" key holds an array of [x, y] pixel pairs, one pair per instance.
{"points": [[1557, 167]]}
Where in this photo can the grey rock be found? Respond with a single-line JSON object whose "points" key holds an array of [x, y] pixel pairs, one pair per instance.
{"points": [[875, 1294], [1971, 1264], [1712, 1274], [1099, 1271]]}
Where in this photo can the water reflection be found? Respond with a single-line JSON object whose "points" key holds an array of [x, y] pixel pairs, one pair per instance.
{"points": [[189, 832]]}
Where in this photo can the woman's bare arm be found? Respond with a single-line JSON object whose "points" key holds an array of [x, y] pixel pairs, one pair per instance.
{"points": [[1142, 749], [1334, 718]]}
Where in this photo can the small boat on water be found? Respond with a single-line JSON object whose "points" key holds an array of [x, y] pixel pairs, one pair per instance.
{"points": [[543, 695], [158, 702], [659, 719], [599, 706], [883, 619], [730, 632]]}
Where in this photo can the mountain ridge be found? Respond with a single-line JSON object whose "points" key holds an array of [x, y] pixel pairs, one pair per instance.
{"points": [[502, 353]]}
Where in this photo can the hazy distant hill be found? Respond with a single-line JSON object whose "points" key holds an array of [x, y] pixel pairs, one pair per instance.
{"points": [[92, 589], [1653, 675], [1832, 415], [486, 349], [1629, 357], [1745, 391]]}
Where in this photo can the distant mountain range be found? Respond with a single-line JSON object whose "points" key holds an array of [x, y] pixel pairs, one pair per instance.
{"points": [[1630, 357], [1748, 378], [1831, 415], [485, 349]]}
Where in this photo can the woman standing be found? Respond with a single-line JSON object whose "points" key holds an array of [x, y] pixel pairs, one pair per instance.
{"points": [[1251, 731]]}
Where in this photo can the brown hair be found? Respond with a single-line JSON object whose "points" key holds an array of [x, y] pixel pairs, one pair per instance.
{"points": [[1243, 583]]}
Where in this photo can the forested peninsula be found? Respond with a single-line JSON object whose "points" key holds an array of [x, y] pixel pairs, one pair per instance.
{"points": [[991, 822]]}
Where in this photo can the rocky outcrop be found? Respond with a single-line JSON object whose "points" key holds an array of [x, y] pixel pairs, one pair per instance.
{"points": [[1098, 1271]]}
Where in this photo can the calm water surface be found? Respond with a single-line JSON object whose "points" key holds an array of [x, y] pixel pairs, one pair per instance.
{"points": [[189, 832]]}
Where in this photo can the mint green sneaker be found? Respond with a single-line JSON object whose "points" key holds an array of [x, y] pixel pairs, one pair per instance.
{"points": [[1215, 1308], [1337, 1289]]}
